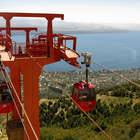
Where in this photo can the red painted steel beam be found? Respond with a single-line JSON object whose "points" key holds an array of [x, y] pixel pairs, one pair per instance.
{"points": [[31, 72], [15, 77], [20, 28], [46, 15], [8, 33], [26, 29]]}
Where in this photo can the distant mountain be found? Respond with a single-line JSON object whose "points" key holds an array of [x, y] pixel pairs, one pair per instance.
{"points": [[129, 27], [74, 27], [71, 27]]}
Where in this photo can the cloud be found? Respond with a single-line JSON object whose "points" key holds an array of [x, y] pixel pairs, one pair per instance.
{"points": [[88, 12]]}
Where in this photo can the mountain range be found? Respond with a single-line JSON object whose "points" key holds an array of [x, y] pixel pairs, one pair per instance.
{"points": [[74, 27]]}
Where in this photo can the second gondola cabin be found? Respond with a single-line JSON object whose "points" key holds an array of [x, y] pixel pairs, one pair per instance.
{"points": [[84, 95], [6, 103]]}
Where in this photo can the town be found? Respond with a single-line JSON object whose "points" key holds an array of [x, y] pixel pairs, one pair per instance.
{"points": [[52, 83]]}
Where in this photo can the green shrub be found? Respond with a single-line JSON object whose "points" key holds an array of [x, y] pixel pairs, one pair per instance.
{"points": [[45, 135], [132, 132], [137, 108], [135, 127], [68, 138]]}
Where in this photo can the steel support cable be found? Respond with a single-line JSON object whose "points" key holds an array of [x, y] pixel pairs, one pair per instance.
{"points": [[30, 124], [14, 103], [120, 75], [89, 117]]}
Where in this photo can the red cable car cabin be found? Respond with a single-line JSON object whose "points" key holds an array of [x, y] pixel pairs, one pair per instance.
{"points": [[84, 95], [6, 103]]}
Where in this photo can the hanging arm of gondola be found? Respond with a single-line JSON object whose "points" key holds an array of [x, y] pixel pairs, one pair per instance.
{"points": [[87, 62]]}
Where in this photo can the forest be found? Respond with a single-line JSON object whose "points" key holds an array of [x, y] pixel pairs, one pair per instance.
{"points": [[117, 111]]}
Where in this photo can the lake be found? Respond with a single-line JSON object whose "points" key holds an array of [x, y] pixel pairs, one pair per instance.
{"points": [[120, 50]]}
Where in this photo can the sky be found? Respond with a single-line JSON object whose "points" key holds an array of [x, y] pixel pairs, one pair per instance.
{"points": [[84, 11]]}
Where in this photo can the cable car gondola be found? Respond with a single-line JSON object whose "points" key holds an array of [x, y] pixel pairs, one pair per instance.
{"points": [[6, 103], [84, 93]]}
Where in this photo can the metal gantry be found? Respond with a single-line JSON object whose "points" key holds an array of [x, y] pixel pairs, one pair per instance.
{"points": [[22, 59]]}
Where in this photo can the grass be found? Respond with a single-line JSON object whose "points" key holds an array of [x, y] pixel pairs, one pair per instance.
{"points": [[117, 100], [119, 131], [3, 126], [75, 134]]}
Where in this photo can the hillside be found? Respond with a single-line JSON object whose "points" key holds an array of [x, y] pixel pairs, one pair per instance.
{"points": [[117, 113], [117, 110]]}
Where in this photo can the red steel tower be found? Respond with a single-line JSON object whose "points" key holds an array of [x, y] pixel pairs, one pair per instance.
{"points": [[29, 59]]}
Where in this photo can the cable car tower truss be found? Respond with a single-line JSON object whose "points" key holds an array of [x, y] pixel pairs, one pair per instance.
{"points": [[43, 49]]}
